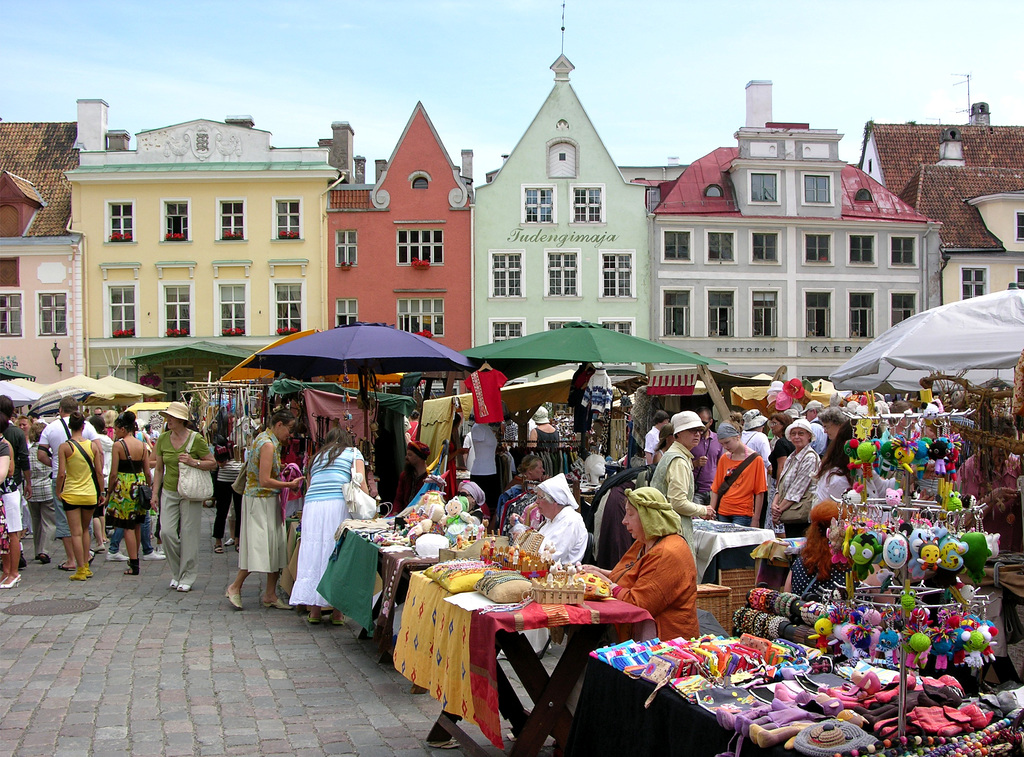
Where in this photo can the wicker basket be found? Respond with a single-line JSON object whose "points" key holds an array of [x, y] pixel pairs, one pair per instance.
{"points": [[557, 595], [741, 581], [716, 600]]}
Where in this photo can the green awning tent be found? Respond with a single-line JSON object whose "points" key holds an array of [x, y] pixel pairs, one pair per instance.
{"points": [[218, 353], [397, 403], [7, 374]]}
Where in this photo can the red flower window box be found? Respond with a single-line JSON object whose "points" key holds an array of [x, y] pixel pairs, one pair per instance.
{"points": [[232, 235], [117, 236], [232, 332], [175, 238], [123, 333], [345, 266], [150, 379], [177, 332], [421, 264], [285, 330], [287, 235]]}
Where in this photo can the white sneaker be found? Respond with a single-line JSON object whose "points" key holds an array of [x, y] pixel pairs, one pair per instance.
{"points": [[159, 549], [150, 556], [116, 557], [174, 583]]}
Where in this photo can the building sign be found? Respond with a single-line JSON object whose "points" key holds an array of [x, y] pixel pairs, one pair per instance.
{"points": [[9, 362], [750, 350], [521, 235], [824, 348]]}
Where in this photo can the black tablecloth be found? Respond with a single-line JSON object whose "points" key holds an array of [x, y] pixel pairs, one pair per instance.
{"points": [[610, 719]]}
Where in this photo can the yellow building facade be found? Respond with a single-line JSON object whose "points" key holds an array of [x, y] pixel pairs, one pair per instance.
{"points": [[204, 243], [973, 273]]}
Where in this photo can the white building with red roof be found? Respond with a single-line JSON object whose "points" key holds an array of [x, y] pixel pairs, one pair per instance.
{"points": [[780, 253]]}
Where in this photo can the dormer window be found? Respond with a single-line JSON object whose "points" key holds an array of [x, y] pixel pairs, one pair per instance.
{"points": [[863, 195], [562, 160], [420, 182], [713, 190]]}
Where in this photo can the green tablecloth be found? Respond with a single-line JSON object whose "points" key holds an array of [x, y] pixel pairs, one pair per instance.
{"points": [[349, 579]]}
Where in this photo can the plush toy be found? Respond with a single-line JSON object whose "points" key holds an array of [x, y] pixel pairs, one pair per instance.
{"points": [[888, 643], [904, 451], [978, 551], [921, 457], [951, 553], [895, 550], [917, 647], [823, 628], [893, 497], [953, 502], [977, 644], [433, 515], [865, 550], [886, 458], [937, 452], [458, 524], [924, 554]]}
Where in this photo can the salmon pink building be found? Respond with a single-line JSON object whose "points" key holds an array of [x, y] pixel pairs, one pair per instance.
{"points": [[402, 246]]}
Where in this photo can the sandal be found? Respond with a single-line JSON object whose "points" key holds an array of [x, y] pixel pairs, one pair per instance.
{"points": [[218, 550], [43, 558], [68, 568], [313, 620]]}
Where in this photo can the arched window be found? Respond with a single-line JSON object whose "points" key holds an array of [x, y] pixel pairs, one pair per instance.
{"points": [[863, 195], [712, 190], [420, 182], [562, 160]]}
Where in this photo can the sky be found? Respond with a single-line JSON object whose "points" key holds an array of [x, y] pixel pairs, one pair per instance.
{"points": [[657, 78]]}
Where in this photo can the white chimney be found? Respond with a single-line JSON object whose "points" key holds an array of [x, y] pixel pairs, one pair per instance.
{"points": [[951, 147], [980, 114], [467, 165], [759, 103], [92, 125]]}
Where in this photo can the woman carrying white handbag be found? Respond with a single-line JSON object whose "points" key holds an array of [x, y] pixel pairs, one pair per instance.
{"points": [[333, 468]]}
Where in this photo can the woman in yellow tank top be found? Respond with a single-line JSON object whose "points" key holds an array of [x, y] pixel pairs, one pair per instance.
{"points": [[79, 489]]}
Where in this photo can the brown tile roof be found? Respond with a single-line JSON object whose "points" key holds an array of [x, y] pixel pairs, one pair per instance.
{"points": [[41, 153], [350, 199], [939, 192], [904, 147], [27, 187]]}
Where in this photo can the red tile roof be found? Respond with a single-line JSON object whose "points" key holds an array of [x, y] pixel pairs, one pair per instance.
{"points": [[940, 193], [350, 199], [904, 147], [41, 153], [685, 195]]}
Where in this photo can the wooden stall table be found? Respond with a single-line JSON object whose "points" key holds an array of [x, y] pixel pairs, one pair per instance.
{"points": [[452, 653], [722, 546]]}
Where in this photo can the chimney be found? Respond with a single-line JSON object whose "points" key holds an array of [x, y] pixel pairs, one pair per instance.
{"points": [[360, 163], [117, 140], [467, 165], [980, 115], [244, 121], [673, 160], [951, 147], [92, 125], [341, 146], [381, 166], [759, 103]]}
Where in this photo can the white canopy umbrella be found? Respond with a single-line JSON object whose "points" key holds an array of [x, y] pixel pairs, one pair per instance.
{"points": [[978, 337], [19, 395]]}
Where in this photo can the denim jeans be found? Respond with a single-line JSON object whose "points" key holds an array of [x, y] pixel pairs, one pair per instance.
{"points": [[118, 535], [739, 520]]}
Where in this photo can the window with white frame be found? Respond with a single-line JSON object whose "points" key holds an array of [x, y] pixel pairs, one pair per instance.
{"points": [[586, 205], [1020, 278], [10, 315], [53, 314], [817, 189], [972, 281], [901, 250], [562, 160], [507, 274], [677, 245], [617, 275], [553, 325], [178, 310], [421, 244], [623, 327], [764, 187], [862, 315], [563, 274], [345, 247], [817, 248], [502, 330], [122, 222], [288, 299], [721, 307], [1020, 227], [346, 312], [122, 310], [764, 246], [421, 315], [289, 217], [676, 304], [232, 309], [538, 205], [818, 313], [862, 248], [720, 247], [765, 310], [176, 221], [902, 305], [232, 219]]}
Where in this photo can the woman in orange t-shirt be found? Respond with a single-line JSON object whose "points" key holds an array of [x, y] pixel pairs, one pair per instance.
{"points": [[743, 498]]}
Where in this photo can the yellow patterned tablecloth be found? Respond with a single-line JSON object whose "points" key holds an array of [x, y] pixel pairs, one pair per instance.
{"points": [[432, 649]]}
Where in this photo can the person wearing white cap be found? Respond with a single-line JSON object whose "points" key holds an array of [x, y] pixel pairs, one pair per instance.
{"points": [[753, 435], [820, 440], [674, 475], [563, 527], [792, 506]]}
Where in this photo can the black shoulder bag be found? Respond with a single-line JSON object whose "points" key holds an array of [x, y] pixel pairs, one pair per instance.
{"points": [[92, 469], [730, 478]]}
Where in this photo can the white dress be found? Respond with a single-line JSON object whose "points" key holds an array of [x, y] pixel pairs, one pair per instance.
{"points": [[568, 533]]}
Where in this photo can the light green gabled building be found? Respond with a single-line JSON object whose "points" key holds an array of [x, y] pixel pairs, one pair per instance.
{"points": [[559, 234]]}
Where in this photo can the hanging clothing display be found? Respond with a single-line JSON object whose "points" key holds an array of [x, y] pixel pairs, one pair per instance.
{"points": [[485, 386], [599, 392]]}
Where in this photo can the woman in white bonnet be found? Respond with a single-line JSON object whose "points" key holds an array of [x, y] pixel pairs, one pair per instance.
{"points": [[563, 526]]}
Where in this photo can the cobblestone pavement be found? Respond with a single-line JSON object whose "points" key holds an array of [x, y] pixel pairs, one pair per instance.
{"points": [[154, 671]]}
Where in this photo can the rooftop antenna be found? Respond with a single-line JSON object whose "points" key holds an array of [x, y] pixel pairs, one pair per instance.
{"points": [[563, 27], [966, 80]]}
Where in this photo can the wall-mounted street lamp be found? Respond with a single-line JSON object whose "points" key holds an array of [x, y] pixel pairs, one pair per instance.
{"points": [[55, 351]]}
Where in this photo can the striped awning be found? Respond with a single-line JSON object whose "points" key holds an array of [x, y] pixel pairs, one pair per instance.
{"points": [[672, 382]]}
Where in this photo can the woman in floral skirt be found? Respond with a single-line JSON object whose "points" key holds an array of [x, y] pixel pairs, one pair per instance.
{"points": [[129, 470]]}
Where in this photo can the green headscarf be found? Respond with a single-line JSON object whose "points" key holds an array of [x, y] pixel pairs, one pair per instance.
{"points": [[656, 514]]}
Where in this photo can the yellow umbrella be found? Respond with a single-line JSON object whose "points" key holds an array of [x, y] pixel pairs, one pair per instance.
{"points": [[242, 372], [123, 387], [35, 386], [154, 407]]}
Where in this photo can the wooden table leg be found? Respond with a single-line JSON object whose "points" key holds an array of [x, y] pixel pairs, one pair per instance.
{"points": [[445, 726], [550, 714]]}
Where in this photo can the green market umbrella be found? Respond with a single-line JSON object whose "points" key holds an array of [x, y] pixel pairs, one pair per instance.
{"points": [[578, 342]]}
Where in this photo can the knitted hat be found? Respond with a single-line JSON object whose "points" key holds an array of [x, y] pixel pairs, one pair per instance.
{"points": [[726, 431], [830, 737], [656, 515], [421, 450]]}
